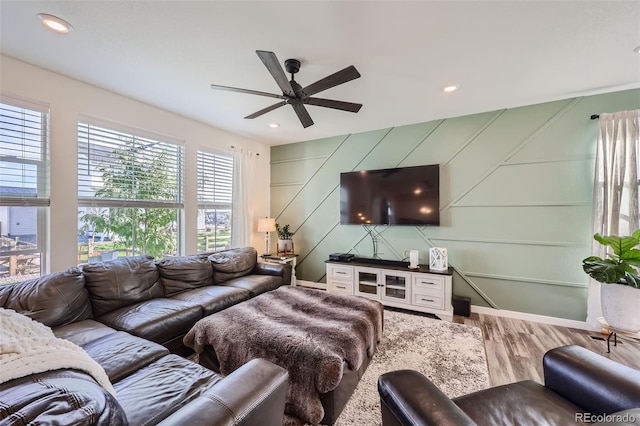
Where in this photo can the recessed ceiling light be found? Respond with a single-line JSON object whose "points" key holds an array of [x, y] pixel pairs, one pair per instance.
{"points": [[451, 88], [55, 24], [637, 49], [274, 125]]}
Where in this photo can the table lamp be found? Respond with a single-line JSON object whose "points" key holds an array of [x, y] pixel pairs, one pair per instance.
{"points": [[267, 225]]}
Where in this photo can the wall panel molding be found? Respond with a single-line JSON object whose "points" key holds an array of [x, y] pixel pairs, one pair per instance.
{"points": [[525, 279], [518, 242], [527, 172]]}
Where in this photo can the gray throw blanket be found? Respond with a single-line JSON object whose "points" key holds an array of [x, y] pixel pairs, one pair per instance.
{"points": [[308, 332]]}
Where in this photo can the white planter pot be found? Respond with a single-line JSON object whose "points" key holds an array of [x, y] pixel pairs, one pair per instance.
{"points": [[621, 306], [285, 246]]}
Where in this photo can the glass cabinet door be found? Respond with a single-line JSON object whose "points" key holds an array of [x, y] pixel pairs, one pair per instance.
{"points": [[367, 282], [396, 286]]}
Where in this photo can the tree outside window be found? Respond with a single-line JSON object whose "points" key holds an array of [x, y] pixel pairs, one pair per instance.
{"points": [[136, 195]]}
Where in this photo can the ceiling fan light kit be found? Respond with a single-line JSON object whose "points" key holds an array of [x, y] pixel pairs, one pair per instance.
{"points": [[293, 93]]}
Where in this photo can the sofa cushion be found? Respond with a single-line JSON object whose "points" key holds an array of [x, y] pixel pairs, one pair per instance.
{"points": [[122, 282], [67, 396], [233, 263], [54, 300], [214, 298], [154, 392], [83, 332], [121, 354], [184, 273], [159, 320], [536, 405], [255, 284]]}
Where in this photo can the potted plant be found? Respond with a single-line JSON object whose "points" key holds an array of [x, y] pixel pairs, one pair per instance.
{"points": [[620, 294], [285, 243]]}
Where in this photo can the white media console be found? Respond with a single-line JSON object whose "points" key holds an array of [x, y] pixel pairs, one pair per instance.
{"points": [[394, 285]]}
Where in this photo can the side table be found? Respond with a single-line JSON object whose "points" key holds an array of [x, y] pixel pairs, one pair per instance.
{"points": [[283, 260], [615, 332]]}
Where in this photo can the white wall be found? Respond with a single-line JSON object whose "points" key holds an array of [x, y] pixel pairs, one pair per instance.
{"points": [[68, 99]]}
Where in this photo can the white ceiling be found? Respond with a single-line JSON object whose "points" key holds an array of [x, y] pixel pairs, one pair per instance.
{"points": [[501, 53]]}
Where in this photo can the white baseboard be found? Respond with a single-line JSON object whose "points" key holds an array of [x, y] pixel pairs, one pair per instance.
{"points": [[303, 283], [562, 322]]}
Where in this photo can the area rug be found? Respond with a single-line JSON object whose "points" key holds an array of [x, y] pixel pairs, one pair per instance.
{"points": [[451, 355]]}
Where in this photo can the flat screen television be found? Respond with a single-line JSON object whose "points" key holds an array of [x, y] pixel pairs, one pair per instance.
{"points": [[399, 196]]}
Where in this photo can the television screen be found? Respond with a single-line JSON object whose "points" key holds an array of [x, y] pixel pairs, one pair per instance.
{"points": [[400, 196]]}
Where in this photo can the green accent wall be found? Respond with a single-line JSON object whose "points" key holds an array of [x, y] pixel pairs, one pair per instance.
{"points": [[515, 199]]}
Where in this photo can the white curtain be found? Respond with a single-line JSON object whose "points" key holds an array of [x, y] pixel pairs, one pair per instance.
{"points": [[615, 191], [244, 164]]}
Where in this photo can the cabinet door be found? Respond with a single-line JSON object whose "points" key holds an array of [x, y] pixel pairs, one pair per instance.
{"points": [[396, 286], [367, 282]]}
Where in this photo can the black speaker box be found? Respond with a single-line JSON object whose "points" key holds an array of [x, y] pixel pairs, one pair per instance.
{"points": [[462, 306]]}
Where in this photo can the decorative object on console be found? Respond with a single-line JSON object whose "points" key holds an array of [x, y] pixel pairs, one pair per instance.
{"points": [[267, 225], [620, 296], [285, 243], [438, 260], [413, 258]]}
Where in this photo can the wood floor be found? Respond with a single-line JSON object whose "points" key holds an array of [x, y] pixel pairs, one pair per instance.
{"points": [[515, 348]]}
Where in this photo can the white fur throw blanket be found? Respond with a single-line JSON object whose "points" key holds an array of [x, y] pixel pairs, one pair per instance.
{"points": [[29, 347], [311, 333]]}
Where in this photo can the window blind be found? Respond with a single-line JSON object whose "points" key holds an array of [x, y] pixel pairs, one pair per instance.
{"points": [[24, 162], [119, 168], [215, 181]]}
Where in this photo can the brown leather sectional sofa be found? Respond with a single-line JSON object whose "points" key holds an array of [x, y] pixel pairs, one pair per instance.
{"points": [[130, 315]]}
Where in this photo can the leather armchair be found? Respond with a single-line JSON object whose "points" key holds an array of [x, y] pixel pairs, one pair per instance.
{"points": [[580, 387]]}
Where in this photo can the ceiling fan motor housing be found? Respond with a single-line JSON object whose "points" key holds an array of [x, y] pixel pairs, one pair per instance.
{"points": [[292, 66]]}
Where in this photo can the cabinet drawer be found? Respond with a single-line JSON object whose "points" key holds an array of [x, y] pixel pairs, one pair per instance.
{"points": [[428, 301], [423, 290], [340, 287], [341, 273], [428, 282]]}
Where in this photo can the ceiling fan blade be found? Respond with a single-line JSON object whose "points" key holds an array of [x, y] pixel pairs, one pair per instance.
{"points": [[270, 61], [330, 103], [303, 115], [335, 79], [247, 91], [266, 110]]}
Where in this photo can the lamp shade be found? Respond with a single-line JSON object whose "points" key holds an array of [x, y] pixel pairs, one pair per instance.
{"points": [[266, 225]]}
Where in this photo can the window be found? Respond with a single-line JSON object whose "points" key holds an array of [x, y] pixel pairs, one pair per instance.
{"points": [[24, 189], [130, 193], [215, 191]]}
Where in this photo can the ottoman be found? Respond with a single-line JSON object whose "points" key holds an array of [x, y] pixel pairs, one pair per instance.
{"points": [[324, 340]]}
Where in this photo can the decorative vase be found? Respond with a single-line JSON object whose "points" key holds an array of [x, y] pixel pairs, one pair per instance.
{"points": [[621, 306], [285, 247], [438, 260]]}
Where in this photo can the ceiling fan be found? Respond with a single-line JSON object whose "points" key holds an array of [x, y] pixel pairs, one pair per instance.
{"points": [[295, 95]]}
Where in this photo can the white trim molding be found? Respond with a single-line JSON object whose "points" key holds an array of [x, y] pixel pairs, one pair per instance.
{"points": [[562, 322]]}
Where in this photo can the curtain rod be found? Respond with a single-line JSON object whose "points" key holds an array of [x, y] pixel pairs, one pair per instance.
{"points": [[595, 116], [257, 153]]}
